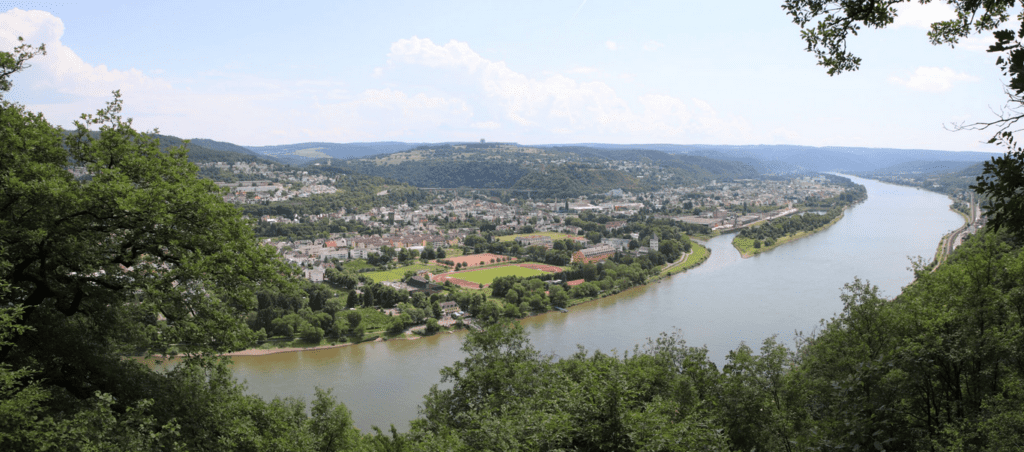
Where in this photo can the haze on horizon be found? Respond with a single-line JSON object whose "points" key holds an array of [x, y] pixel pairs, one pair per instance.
{"points": [[528, 72]]}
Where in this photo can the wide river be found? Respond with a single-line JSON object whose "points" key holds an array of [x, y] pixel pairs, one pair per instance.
{"points": [[725, 301]]}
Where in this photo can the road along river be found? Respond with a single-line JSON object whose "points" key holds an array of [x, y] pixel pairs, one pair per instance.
{"points": [[725, 301]]}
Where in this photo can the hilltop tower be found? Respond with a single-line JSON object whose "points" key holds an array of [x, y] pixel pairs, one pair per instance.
{"points": [[654, 242]]}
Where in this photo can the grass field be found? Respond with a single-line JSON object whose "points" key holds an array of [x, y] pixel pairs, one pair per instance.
{"points": [[399, 273], [698, 254], [486, 276], [553, 235]]}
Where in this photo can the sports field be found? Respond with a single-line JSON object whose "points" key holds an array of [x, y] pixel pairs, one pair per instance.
{"points": [[486, 276]]}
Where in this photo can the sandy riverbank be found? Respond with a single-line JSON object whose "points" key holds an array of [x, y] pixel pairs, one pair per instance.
{"points": [[271, 351]]}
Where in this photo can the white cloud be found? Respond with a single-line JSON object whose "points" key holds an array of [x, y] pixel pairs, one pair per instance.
{"points": [[558, 104], [61, 70], [424, 92], [932, 79], [489, 125], [652, 46], [387, 113], [611, 45], [916, 15], [225, 105]]}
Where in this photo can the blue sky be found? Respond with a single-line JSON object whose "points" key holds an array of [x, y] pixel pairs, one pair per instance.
{"points": [[683, 72]]}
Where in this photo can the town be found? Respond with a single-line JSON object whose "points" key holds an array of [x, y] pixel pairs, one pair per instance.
{"points": [[439, 224], [377, 258]]}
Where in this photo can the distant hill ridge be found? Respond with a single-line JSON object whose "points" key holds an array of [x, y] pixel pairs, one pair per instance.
{"points": [[555, 171], [688, 161], [292, 153], [785, 158]]}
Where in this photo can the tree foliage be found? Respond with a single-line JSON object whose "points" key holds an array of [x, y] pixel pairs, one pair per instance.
{"points": [[110, 246]]}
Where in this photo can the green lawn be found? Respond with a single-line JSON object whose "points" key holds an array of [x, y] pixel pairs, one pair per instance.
{"points": [[553, 235], [697, 256], [399, 273], [487, 275]]}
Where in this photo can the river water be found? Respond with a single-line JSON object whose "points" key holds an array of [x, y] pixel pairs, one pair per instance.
{"points": [[725, 301]]}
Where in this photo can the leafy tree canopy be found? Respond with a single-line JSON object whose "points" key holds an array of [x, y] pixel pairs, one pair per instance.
{"points": [[110, 246]]}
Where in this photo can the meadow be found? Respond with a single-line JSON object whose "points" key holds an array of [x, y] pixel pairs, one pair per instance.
{"points": [[697, 256]]}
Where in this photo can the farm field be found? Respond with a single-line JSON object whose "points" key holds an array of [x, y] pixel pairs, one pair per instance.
{"points": [[486, 276], [398, 274], [553, 235]]}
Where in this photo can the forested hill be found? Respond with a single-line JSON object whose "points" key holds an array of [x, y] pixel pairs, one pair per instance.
{"points": [[569, 171], [699, 167], [784, 158], [951, 178], [203, 150], [304, 152]]}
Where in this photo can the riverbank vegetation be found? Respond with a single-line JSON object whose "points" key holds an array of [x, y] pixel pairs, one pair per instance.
{"points": [[698, 254], [769, 234]]}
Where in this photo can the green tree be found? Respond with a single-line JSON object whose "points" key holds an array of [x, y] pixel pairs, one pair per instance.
{"points": [[318, 296], [999, 187], [331, 424], [559, 297], [762, 407], [129, 253], [432, 326], [354, 318]]}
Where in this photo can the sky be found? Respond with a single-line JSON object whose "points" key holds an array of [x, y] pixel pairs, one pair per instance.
{"points": [[532, 72]]}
